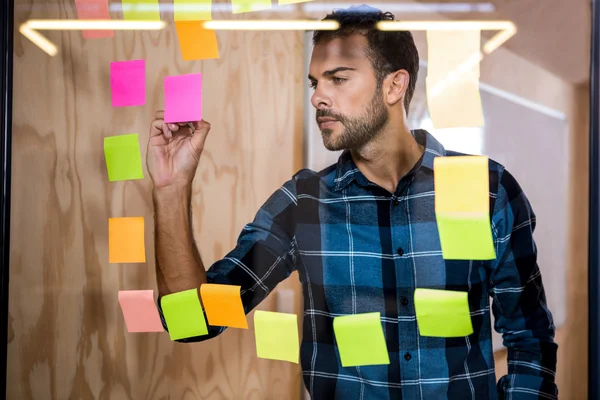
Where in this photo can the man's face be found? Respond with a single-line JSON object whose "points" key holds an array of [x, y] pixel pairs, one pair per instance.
{"points": [[349, 103]]}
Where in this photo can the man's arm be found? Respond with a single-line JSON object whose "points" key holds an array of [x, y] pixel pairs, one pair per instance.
{"points": [[519, 301], [178, 263]]}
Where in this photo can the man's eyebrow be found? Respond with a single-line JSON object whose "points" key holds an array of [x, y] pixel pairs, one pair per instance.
{"points": [[332, 72]]}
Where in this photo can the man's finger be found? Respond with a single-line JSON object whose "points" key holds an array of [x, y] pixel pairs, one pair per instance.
{"points": [[199, 137], [160, 128]]}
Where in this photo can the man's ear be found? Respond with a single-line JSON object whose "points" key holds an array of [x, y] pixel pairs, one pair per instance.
{"points": [[396, 85]]}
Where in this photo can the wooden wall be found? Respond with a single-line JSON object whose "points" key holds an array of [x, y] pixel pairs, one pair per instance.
{"points": [[67, 338]]}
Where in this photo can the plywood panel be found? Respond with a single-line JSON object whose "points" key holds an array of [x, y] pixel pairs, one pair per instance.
{"points": [[67, 334]]}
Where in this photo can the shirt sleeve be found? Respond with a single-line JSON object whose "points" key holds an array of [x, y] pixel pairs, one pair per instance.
{"points": [[265, 254], [519, 301]]}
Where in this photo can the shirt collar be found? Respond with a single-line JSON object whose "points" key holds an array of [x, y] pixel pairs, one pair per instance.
{"points": [[347, 171]]}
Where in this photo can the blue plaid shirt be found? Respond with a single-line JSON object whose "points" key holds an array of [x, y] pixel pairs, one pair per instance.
{"points": [[360, 249]]}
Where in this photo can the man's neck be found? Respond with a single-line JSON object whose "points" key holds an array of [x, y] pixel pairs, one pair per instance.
{"points": [[390, 156]]}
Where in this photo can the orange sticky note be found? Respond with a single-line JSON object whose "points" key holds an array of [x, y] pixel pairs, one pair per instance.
{"points": [[139, 311], [94, 9], [126, 240], [223, 305], [195, 42], [461, 184]]}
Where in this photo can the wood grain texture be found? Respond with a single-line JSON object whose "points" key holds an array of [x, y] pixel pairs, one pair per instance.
{"points": [[67, 337]]}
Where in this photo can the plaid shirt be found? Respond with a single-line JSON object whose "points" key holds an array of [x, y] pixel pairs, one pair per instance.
{"points": [[360, 249]]}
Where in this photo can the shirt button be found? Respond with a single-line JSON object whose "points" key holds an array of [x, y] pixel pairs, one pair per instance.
{"points": [[400, 251], [404, 301], [396, 202], [407, 356]]}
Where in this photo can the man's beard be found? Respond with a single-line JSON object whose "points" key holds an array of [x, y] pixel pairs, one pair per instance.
{"points": [[356, 132]]}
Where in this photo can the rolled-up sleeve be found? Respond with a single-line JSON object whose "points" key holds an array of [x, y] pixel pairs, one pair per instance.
{"points": [[265, 254], [519, 301]]}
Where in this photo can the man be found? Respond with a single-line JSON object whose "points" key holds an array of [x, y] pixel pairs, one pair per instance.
{"points": [[362, 235]]}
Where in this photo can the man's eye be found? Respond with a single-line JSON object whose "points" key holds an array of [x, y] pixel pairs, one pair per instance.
{"points": [[313, 85], [338, 80]]}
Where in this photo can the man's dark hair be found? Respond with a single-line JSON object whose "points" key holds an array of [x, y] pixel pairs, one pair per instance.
{"points": [[389, 51]]}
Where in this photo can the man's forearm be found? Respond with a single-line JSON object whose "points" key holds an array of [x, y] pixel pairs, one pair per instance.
{"points": [[178, 263]]}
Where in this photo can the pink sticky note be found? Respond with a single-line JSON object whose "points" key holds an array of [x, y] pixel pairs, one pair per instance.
{"points": [[183, 98], [94, 9], [139, 311], [128, 83]]}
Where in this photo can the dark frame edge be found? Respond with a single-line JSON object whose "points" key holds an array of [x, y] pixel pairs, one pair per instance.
{"points": [[6, 94], [594, 210]]}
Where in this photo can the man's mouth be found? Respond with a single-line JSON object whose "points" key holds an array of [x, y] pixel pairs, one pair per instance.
{"points": [[326, 122]]}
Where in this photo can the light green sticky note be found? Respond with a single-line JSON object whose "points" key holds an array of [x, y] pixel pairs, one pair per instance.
{"points": [[276, 336], [360, 340], [244, 6], [466, 236], [135, 10], [183, 314], [123, 157], [443, 313]]}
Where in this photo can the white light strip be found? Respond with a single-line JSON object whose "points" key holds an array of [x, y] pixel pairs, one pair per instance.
{"points": [[39, 40], [272, 25], [445, 25], [99, 24]]}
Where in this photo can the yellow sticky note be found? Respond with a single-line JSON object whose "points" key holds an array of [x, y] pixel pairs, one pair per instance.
{"points": [[466, 236], [461, 184], [243, 6], [443, 313], [183, 314], [284, 2], [454, 103], [192, 10], [195, 42], [223, 305], [126, 240], [277, 336], [453, 51], [360, 340], [136, 10]]}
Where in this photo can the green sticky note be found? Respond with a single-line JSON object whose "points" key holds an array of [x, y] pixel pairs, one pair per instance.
{"points": [[183, 314], [135, 10], [360, 340], [244, 6], [466, 236], [123, 157], [443, 313], [276, 336]]}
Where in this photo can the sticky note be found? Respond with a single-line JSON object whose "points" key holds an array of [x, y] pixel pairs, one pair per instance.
{"points": [[466, 236], [461, 184], [192, 10], [136, 10], [94, 9], [284, 2], [243, 6], [128, 83], [126, 240], [139, 311], [123, 157], [452, 81], [183, 98], [195, 42], [183, 314], [454, 104], [453, 51], [223, 305], [443, 313], [277, 336], [360, 340]]}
